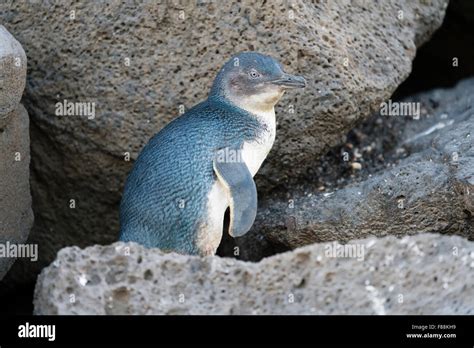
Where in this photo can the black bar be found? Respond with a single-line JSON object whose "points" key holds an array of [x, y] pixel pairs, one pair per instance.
{"points": [[288, 330]]}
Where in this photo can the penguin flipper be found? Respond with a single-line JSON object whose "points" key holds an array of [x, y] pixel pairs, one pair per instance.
{"points": [[236, 177]]}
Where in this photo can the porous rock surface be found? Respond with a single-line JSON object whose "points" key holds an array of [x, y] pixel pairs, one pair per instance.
{"points": [[140, 64], [12, 73], [16, 216], [423, 274]]}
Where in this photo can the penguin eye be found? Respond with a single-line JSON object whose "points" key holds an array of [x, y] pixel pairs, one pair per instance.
{"points": [[254, 74]]}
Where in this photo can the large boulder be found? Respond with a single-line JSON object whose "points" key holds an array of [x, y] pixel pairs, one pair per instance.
{"points": [[424, 274], [16, 216], [141, 64], [429, 189]]}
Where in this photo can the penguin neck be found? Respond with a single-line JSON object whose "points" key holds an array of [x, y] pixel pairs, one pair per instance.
{"points": [[264, 112], [266, 115]]}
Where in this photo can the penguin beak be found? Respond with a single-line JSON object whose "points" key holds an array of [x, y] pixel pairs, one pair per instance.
{"points": [[290, 81]]}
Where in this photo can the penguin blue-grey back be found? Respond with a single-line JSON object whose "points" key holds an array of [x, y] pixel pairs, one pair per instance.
{"points": [[204, 161]]}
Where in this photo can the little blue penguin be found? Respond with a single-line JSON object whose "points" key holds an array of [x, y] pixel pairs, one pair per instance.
{"points": [[203, 162]]}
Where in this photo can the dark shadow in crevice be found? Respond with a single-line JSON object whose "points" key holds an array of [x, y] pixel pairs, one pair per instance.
{"points": [[433, 65]]}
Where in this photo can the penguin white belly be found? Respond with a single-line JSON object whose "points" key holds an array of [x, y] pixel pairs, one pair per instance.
{"points": [[218, 200], [255, 152], [210, 233]]}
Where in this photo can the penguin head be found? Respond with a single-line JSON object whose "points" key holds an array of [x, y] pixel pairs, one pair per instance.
{"points": [[254, 81]]}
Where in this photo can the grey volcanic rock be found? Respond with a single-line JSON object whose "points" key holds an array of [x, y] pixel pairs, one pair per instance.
{"points": [[16, 216], [140, 64], [431, 190], [12, 73], [424, 274]]}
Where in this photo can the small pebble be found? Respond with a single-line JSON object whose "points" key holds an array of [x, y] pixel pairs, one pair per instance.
{"points": [[356, 166]]}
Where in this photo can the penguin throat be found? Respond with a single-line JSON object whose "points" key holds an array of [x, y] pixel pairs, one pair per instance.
{"points": [[262, 105]]}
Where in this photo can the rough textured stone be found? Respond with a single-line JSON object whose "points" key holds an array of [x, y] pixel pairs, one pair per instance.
{"points": [[12, 74], [424, 274], [431, 190], [140, 63], [16, 215]]}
